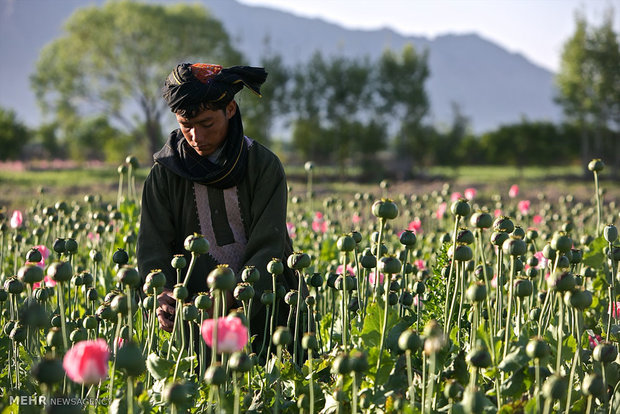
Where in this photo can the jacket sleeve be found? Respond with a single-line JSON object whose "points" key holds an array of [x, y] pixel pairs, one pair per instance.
{"points": [[156, 235]]}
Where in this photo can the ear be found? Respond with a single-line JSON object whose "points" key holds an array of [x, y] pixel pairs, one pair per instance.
{"points": [[231, 109]]}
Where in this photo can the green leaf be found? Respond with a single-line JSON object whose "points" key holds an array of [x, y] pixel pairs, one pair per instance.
{"points": [[391, 340], [159, 367], [515, 360], [594, 256]]}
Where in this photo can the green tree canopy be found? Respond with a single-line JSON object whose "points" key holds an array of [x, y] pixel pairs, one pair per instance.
{"points": [[113, 59], [13, 135]]}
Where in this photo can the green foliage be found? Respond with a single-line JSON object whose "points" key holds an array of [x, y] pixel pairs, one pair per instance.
{"points": [[112, 59], [13, 135]]}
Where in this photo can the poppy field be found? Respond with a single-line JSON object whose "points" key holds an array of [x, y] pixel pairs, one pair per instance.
{"points": [[450, 301]]}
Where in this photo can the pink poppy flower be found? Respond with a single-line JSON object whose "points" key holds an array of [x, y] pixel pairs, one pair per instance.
{"points": [[494, 281], [514, 191], [614, 309], [470, 193], [371, 278], [356, 218], [455, 196], [542, 260], [232, 334], [415, 225], [93, 237], [350, 270], [318, 215], [290, 227], [420, 264], [417, 299], [594, 341], [441, 211], [524, 206], [497, 212], [537, 219], [49, 282], [17, 219], [87, 361]]}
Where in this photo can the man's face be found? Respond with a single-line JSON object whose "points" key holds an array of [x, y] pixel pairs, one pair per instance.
{"points": [[207, 130]]}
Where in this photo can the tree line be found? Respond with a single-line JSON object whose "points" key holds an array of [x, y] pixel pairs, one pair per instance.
{"points": [[99, 86]]}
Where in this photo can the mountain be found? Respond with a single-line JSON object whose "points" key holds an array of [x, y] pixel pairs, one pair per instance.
{"points": [[490, 85]]}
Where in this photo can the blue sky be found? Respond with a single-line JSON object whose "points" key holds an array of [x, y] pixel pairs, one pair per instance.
{"points": [[534, 28]]}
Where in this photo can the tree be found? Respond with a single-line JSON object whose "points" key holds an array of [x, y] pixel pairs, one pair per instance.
{"points": [[589, 87], [113, 60], [13, 135]]}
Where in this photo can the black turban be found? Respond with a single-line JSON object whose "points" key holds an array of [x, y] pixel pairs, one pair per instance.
{"points": [[190, 85]]}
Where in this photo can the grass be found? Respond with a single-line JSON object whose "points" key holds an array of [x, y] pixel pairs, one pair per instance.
{"points": [[19, 188]]}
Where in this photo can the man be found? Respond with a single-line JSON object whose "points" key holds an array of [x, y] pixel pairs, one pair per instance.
{"points": [[212, 180]]}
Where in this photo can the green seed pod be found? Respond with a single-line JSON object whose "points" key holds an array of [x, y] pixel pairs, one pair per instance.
{"points": [[357, 236], [30, 273], [178, 261], [180, 292], [250, 274], [358, 361], [59, 246], [177, 393], [40, 294], [129, 359], [316, 280], [498, 238], [460, 208], [514, 247], [128, 276], [346, 243], [610, 233], [605, 352], [479, 271], [596, 165], [555, 387], [33, 255], [534, 314], [298, 261], [18, 333], [221, 278], [476, 292], [156, 278], [203, 301], [71, 246], [60, 271], [561, 281], [389, 265], [523, 288], [282, 336], [537, 348], [579, 299], [481, 220], [385, 209], [341, 365], [532, 234], [479, 357], [368, 260], [240, 362], [309, 341], [452, 390], [503, 224], [462, 252], [419, 288], [408, 238], [593, 385], [89, 322], [196, 244], [518, 233], [268, 298], [120, 304], [120, 257], [409, 340], [473, 401], [48, 371], [406, 299], [243, 292], [464, 236], [105, 312], [95, 256], [78, 335], [275, 266]]}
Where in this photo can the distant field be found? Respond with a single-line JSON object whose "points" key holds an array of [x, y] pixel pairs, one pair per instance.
{"points": [[19, 188]]}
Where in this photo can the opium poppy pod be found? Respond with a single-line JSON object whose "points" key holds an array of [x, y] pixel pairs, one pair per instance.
{"points": [[30, 273], [408, 238], [203, 301], [309, 341], [561, 281], [389, 264], [221, 278], [120, 257], [250, 274], [409, 340], [178, 261], [561, 242], [514, 247], [215, 375], [71, 246], [244, 292], [476, 292], [298, 261], [385, 209], [240, 362], [479, 357], [481, 220], [578, 298], [197, 244], [523, 288], [60, 271], [460, 208], [593, 385], [498, 238], [275, 266], [596, 165], [518, 233], [156, 278], [605, 352], [503, 224], [610, 233], [346, 243], [554, 387], [464, 236], [128, 276], [180, 292], [282, 336], [34, 255], [48, 371], [462, 252], [129, 359]]}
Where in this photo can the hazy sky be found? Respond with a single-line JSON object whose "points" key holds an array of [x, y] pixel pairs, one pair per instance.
{"points": [[535, 28]]}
